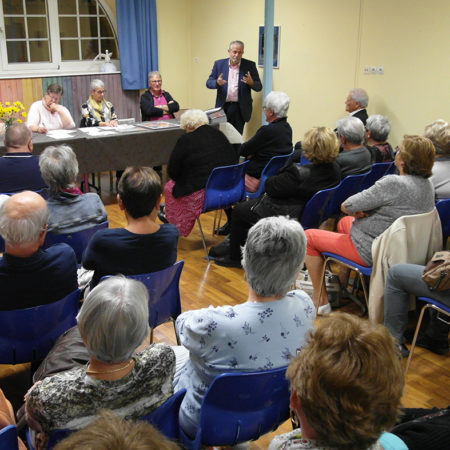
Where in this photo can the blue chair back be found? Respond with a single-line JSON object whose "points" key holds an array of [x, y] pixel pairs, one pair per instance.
{"points": [[303, 160], [348, 186], [165, 417], [78, 241], [29, 334], [240, 407], [225, 186], [377, 171], [8, 438], [316, 210], [443, 209], [272, 167], [164, 291]]}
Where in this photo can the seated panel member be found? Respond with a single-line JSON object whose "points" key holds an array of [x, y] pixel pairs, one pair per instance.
{"points": [[143, 245], [157, 104], [70, 209], [97, 112], [29, 275], [19, 168], [47, 114], [356, 157]]}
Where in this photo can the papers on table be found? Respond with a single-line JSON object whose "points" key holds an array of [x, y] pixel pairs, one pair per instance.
{"points": [[105, 131], [61, 134], [158, 125]]}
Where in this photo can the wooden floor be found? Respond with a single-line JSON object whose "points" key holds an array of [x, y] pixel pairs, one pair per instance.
{"points": [[203, 284]]}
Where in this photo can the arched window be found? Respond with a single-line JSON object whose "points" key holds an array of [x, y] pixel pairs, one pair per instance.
{"points": [[54, 36]]}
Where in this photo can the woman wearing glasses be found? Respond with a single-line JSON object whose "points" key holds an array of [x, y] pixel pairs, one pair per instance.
{"points": [[157, 104], [97, 112], [47, 114]]}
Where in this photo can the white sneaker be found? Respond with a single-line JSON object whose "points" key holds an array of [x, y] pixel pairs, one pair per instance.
{"points": [[324, 310]]}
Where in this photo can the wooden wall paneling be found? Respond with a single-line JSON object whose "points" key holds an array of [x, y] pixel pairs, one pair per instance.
{"points": [[67, 97], [10, 90], [31, 91]]}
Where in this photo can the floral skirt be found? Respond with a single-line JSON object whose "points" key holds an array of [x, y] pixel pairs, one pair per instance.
{"points": [[183, 211]]}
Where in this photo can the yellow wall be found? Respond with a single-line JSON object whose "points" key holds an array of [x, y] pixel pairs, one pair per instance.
{"points": [[324, 46]]}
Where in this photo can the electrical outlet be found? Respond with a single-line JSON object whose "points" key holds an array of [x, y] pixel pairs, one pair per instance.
{"points": [[366, 70], [380, 70], [373, 70]]}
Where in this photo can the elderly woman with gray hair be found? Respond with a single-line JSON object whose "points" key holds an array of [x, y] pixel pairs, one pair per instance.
{"points": [[195, 155], [377, 132], [97, 112], [113, 323], [262, 333], [70, 210], [270, 140]]}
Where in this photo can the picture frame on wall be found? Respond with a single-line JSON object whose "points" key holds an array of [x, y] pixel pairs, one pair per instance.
{"points": [[276, 47]]}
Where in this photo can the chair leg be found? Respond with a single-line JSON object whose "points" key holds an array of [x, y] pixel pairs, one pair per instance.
{"points": [[203, 238], [416, 333], [111, 181], [325, 265]]}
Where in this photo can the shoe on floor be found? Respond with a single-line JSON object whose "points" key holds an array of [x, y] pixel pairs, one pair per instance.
{"points": [[226, 261], [435, 346], [223, 230], [222, 249], [162, 217], [324, 310], [403, 350]]}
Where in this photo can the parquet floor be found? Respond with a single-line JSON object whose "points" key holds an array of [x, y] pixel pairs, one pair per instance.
{"points": [[203, 284]]}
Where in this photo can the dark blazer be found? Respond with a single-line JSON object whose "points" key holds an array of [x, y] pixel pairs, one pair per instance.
{"points": [[355, 162], [362, 116], [244, 90], [148, 109], [270, 140], [195, 155]]}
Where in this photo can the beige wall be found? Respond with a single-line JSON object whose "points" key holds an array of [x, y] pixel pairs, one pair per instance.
{"points": [[325, 45]]}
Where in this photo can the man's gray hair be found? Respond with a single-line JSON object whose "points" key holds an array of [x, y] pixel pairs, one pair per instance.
{"points": [[193, 118], [154, 73], [59, 167], [17, 135], [95, 84], [238, 43], [352, 129], [379, 127], [113, 320], [25, 230], [273, 255], [438, 133], [360, 95], [278, 102]]}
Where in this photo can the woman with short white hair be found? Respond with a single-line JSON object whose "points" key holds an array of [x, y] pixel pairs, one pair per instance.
{"points": [[113, 322], [97, 112], [195, 155]]}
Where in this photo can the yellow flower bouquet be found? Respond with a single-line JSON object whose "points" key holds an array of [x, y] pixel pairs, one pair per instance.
{"points": [[10, 113]]}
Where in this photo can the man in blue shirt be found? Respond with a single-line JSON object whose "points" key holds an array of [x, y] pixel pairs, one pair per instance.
{"points": [[29, 275], [19, 169]]}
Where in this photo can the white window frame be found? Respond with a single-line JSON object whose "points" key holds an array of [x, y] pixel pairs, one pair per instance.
{"points": [[56, 67]]}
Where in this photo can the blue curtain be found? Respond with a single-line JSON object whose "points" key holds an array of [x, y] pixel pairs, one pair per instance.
{"points": [[138, 41]]}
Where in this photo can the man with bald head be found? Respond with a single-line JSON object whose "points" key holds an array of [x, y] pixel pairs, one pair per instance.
{"points": [[29, 275], [19, 169]]}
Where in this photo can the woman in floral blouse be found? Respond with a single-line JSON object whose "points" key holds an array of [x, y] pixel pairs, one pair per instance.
{"points": [[260, 334], [97, 112]]}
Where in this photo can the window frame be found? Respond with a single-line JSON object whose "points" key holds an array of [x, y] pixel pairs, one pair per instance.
{"points": [[56, 67]]}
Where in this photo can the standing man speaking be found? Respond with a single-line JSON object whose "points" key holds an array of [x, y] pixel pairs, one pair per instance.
{"points": [[234, 78]]}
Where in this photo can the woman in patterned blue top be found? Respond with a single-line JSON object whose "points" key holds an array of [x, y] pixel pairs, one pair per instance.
{"points": [[261, 334]]}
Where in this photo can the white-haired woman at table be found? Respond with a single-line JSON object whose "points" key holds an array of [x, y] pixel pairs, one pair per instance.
{"points": [[98, 112]]}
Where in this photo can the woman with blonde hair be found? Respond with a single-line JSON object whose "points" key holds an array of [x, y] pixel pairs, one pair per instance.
{"points": [[287, 192]]}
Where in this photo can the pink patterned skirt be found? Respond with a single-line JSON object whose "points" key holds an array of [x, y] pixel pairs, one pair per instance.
{"points": [[183, 211]]}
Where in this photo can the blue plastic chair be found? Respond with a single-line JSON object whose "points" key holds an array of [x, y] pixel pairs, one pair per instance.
{"points": [[8, 438], [362, 271], [429, 303], [273, 166], [29, 334], [443, 209], [377, 171], [347, 187], [165, 417], [316, 210], [78, 241], [303, 160], [164, 295], [224, 188], [240, 407]]}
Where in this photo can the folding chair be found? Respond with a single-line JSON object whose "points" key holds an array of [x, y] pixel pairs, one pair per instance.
{"points": [[316, 210], [8, 438], [377, 171]]}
